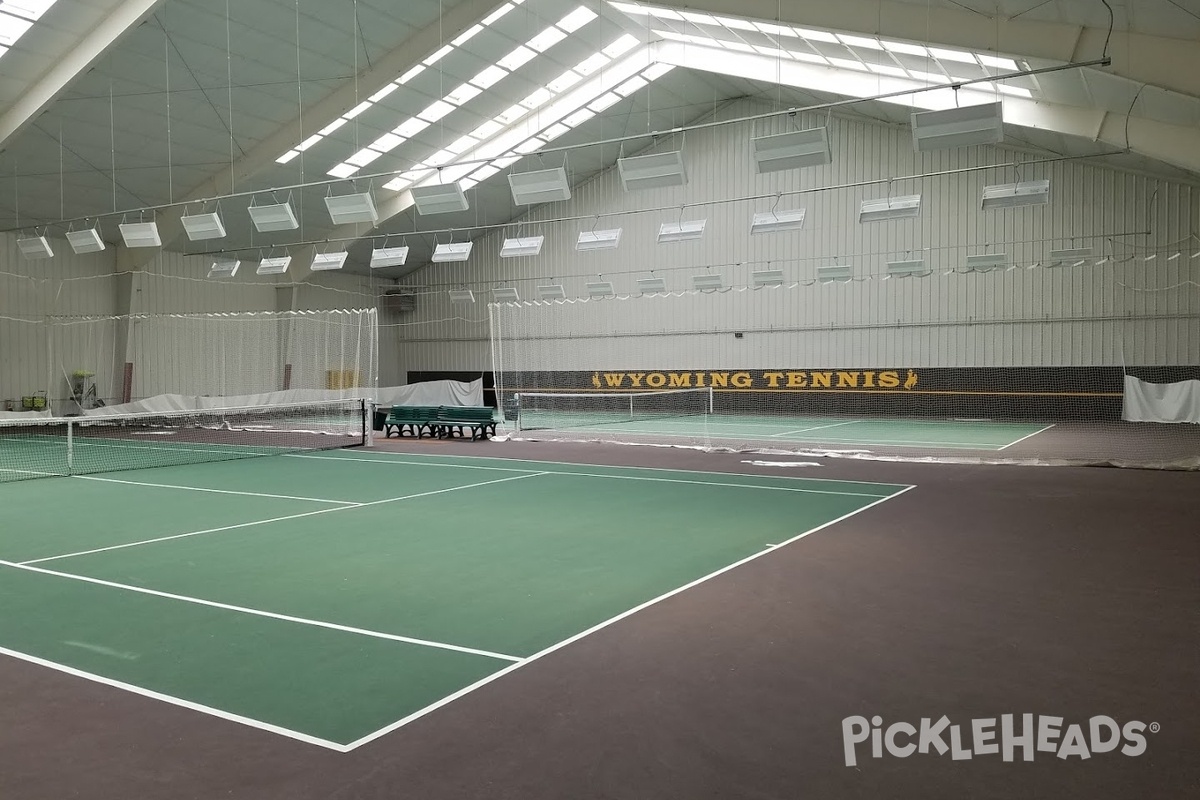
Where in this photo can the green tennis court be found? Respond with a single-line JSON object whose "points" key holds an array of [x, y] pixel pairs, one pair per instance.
{"points": [[332, 597], [950, 434]]}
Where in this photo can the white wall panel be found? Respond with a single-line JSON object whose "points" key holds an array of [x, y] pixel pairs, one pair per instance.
{"points": [[1030, 315]]}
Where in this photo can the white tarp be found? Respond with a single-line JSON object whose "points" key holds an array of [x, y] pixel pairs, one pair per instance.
{"points": [[24, 414], [1161, 402], [433, 393], [429, 393]]}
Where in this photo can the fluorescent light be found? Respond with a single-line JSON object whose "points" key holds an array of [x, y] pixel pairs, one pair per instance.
{"points": [[276, 217], [886, 208], [412, 73], [438, 56], [224, 268], [835, 272], [681, 231], [452, 251], [598, 240], [388, 257], [776, 221], [652, 171], [526, 246], [958, 127], [905, 269], [85, 241], [330, 128], [985, 262], [348, 209], [516, 58], [462, 296], [35, 247], [807, 148], [767, 277], [273, 266], [505, 294], [342, 170], [541, 186], [712, 280], [436, 110], [323, 262], [439, 198], [651, 285], [488, 77], [546, 39], [577, 19], [1008, 195], [203, 226], [140, 234], [600, 289], [465, 35], [410, 127], [463, 93], [1068, 254], [551, 292]]}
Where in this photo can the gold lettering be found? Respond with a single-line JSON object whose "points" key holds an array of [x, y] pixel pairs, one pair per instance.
{"points": [[847, 380], [682, 380], [716, 379], [772, 379], [635, 378], [868, 380], [889, 379], [614, 379], [742, 380], [822, 380], [656, 380], [797, 380], [700, 379]]}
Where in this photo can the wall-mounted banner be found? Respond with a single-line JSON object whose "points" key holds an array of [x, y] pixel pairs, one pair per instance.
{"points": [[770, 380]]}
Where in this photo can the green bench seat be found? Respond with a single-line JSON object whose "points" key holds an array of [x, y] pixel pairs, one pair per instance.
{"points": [[458, 421], [414, 420], [446, 422]]}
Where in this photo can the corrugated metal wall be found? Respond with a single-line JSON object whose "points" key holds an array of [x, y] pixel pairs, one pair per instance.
{"points": [[1029, 315]]}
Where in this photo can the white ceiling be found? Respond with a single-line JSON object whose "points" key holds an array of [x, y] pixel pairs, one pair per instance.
{"points": [[198, 98]]}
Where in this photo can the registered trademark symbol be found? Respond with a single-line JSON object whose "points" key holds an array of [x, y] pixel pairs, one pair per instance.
{"points": [[1155, 727]]}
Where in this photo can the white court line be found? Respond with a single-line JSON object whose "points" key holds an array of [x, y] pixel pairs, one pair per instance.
{"points": [[35, 472], [277, 519], [819, 427], [430, 459], [216, 491], [547, 651], [1023, 438], [176, 701], [316, 623], [750, 435]]}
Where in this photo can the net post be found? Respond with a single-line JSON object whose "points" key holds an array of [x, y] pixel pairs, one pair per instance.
{"points": [[70, 446], [368, 420], [710, 400]]}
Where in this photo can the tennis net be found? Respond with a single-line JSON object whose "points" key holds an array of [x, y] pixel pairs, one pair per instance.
{"points": [[59, 446], [573, 410]]}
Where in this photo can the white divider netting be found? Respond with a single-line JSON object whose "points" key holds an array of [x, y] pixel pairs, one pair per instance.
{"points": [[131, 358], [861, 369]]}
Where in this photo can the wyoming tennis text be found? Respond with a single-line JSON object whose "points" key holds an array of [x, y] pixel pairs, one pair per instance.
{"points": [[1046, 735]]}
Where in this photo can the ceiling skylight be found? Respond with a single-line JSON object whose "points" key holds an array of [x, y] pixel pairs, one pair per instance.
{"points": [[532, 124], [854, 65], [461, 95], [486, 78], [17, 17]]}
